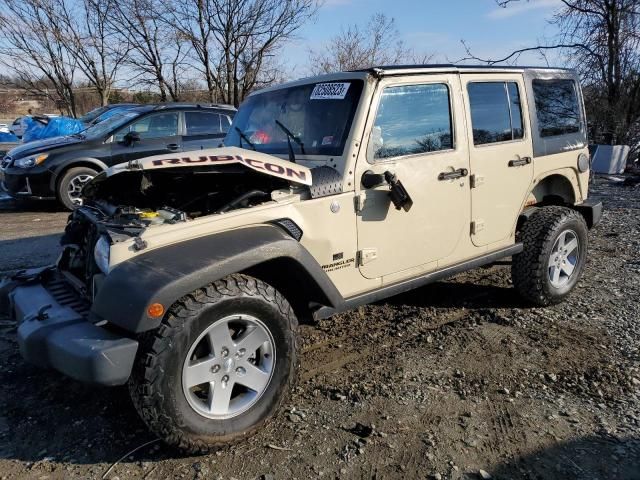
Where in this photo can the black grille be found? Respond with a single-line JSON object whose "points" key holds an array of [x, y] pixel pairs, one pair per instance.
{"points": [[66, 295]]}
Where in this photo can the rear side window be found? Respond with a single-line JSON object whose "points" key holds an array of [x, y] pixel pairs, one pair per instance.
{"points": [[202, 123], [412, 119], [225, 122], [557, 107], [496, 112]]}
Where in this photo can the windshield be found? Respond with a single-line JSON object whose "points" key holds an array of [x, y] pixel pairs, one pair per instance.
{"points": [[107, 126], [93, 114], [318, 115]]}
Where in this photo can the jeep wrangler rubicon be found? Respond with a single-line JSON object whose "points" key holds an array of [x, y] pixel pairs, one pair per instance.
{"points": [[185, 274]]}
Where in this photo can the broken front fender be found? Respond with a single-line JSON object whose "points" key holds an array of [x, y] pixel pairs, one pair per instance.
{"points": [[165, 275]]}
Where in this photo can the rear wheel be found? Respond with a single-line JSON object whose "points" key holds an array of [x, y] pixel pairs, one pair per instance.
{"points": [[554, 255], [71, 183], [218, 367]]}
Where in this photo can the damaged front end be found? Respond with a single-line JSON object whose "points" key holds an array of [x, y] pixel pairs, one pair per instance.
{"points": [[54, 305], [123, 202]]}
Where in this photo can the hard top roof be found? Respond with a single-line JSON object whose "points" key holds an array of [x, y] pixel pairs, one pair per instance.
{"points": [[391, 70], [401, 69]]}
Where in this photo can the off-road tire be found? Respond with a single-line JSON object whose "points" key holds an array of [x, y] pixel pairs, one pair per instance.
{"points": [[156, 381], [530, 268], [63, 185]]}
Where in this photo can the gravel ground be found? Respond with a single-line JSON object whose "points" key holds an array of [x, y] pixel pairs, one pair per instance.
{"points": [[455, 380]]}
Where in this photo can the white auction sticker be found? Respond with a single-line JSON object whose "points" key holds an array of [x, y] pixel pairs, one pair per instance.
{"points": [[330, 91]]}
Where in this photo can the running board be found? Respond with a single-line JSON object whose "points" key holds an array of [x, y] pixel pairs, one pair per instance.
{"points": [[406, 285]]}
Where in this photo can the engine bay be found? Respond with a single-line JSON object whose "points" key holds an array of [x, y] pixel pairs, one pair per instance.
{"points": [[143, 198]]}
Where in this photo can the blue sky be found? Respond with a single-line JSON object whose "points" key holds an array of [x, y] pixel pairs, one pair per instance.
{"points": [[434, 26]]}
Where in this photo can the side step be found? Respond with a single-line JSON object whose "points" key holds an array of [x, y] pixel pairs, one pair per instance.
{"points": [[406, 285]]}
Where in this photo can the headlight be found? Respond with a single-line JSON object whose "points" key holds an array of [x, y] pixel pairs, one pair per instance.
{"points": [[101, 254], [30, 161]]}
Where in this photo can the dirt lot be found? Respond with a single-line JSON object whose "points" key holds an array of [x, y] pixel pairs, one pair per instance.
{"points": [[439, 383]]}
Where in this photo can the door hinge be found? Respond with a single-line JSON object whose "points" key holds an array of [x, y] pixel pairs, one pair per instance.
{"points": [[477, 226], [358, 201], [476, 180], [367, 255]]}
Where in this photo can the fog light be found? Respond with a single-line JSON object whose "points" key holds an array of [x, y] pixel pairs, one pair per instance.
{"points": [[155, 310]]}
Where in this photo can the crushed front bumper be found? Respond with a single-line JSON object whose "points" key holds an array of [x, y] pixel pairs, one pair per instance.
{"points": [[54, 330]]}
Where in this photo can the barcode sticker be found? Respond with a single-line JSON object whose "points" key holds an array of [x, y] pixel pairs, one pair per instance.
{"points": [[330, 91]]}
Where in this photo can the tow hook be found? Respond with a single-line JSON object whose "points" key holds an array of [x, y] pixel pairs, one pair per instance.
{"points": [[42, 313], [139, 244]]}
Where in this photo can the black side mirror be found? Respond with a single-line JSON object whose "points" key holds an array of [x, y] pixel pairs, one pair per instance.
{"points": [[398, 194], [130, 138]]}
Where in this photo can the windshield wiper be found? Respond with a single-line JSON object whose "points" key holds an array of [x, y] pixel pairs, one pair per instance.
{"points": [[79, 135], [290, 135], [245, 138]]}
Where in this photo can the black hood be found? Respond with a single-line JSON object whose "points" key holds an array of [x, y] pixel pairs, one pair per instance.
{"points": [[39, 146]]}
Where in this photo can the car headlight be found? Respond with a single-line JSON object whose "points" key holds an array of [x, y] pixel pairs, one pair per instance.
{"points": [[101, 254], [30, 161]]}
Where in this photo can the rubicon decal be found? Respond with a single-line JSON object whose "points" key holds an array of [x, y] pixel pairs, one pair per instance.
{"points": [[292, 173], [257, 161]]}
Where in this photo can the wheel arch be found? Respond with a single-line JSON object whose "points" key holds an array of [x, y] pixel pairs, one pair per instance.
{"points": [[553, 189], [165, 275], [558, 188], [73, 163]]}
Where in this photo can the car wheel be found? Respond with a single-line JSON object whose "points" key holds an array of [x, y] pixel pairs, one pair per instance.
{"points": [[70, 186], [218, 367], [554, 255]]}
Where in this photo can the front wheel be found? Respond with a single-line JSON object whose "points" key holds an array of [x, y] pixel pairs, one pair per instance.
{"points": [[218, 367], [71, 184], [554, 255]]}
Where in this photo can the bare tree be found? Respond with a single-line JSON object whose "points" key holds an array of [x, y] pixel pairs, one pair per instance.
{"points": [[232, 41], [156, 53], [362, 47], [601, 39], [98, 50], [32, 45]]}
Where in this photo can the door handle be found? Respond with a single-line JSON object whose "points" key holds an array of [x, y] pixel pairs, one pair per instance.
{"points": [[173, 146], [461, 172], [520, 161]]}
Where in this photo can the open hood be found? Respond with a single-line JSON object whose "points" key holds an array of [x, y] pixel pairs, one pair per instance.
{"points": [[259, 162]]}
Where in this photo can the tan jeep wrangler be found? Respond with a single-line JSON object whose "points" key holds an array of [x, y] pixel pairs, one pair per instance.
{"points": [[185, 275]]}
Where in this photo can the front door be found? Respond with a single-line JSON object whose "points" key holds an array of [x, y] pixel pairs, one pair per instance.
{"points": [[416, 133], [501, 154], [159, 134]]}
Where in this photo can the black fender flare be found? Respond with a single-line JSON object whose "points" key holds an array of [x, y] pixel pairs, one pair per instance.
{"points": [[166, 274], [101, 167]]}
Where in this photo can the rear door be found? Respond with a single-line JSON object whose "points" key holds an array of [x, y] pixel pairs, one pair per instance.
{"points": [[159, 134], [501, 153], [203, 129]]}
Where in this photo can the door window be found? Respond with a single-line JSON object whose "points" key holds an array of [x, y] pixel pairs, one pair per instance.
{"points": [[496, 112], [225, 123], [412, 119], [202, 123], [557, 107], [153, 126]]}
